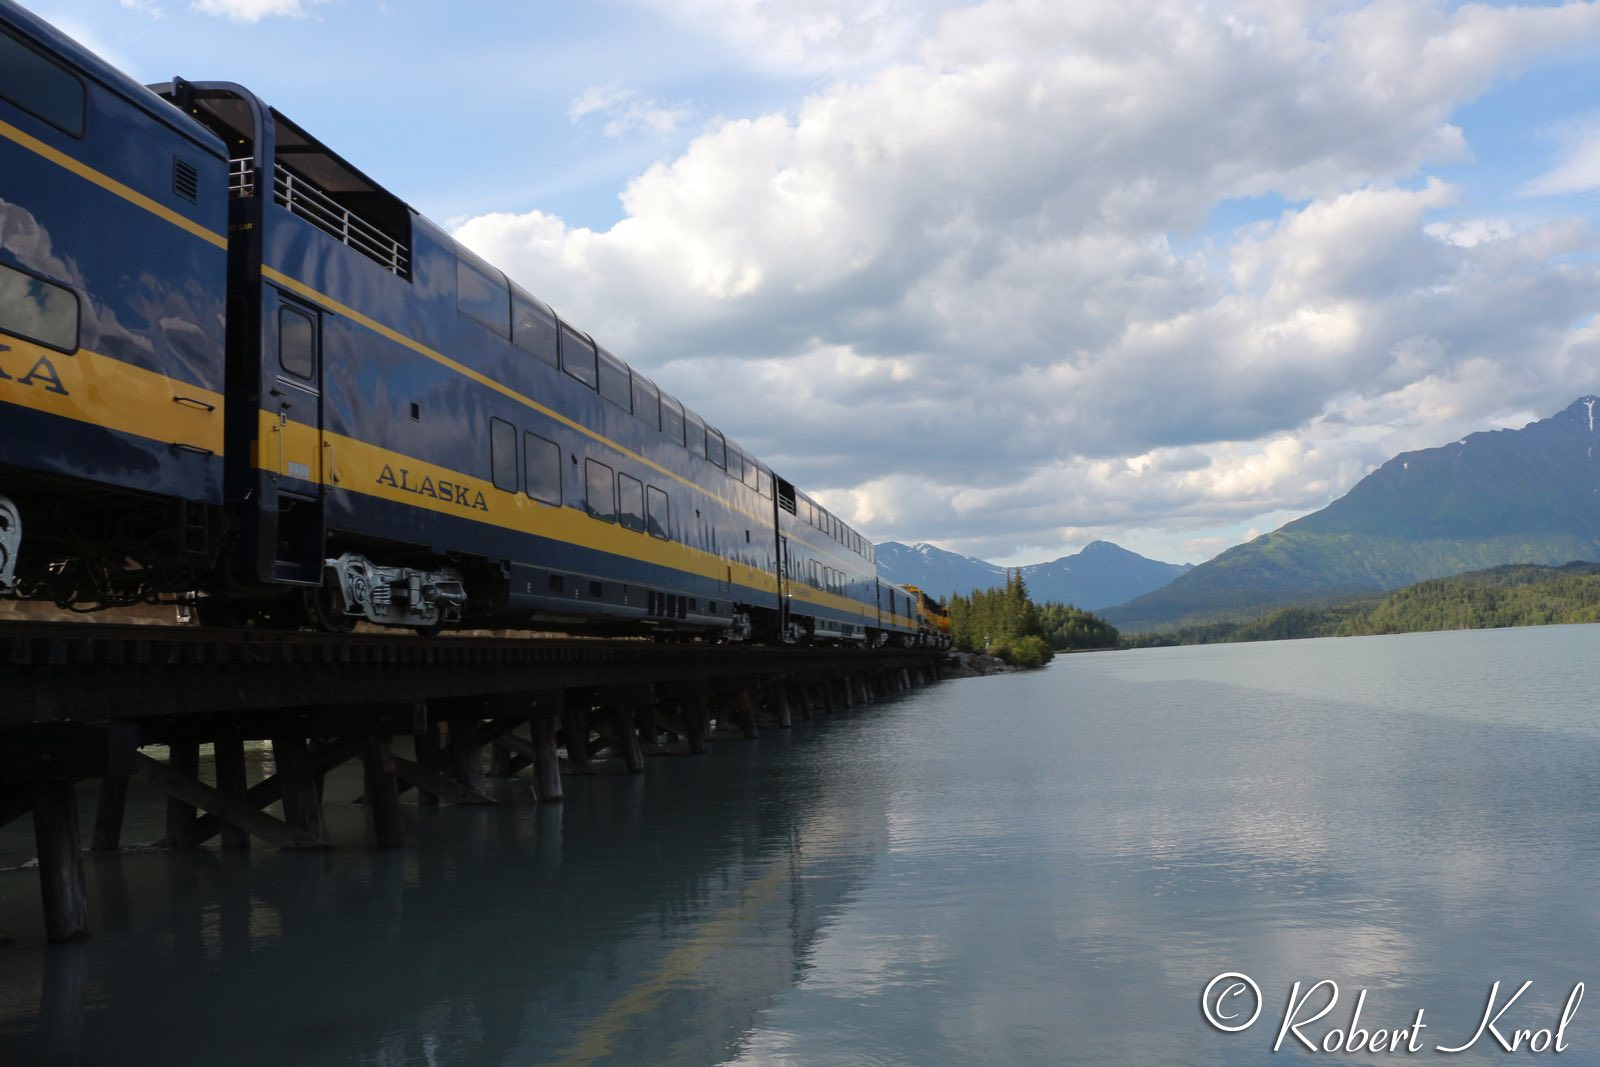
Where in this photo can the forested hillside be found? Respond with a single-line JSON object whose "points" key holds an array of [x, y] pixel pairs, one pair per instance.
{"points": [[1513, 595]]}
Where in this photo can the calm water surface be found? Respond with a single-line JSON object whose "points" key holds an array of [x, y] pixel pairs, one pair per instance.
{"points": [[1036, 868]]}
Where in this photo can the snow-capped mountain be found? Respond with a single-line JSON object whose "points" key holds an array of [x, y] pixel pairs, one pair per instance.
{"points": [[1502, 496], [1100, 575]]}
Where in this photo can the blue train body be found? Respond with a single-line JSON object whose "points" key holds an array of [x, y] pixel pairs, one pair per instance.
{"points": [[236, 371]]}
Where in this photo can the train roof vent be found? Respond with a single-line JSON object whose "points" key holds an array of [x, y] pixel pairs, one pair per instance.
{"points": [[185, 180]]}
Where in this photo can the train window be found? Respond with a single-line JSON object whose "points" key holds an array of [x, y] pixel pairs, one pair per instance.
{"points": [[503, 454], [41, 86], [630, 502], [657, 513], [735, 463], [764, 482], [533, 329], [577, 356], [752, 476], [37, 310], [716, 448], [482, 294], [647, 402], [601, 492], [694, 433], [541, 460], [671, 418], [614, 381], [297, 343]]}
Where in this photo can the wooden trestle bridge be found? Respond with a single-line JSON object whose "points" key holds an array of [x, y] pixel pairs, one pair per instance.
{"points": [[81, 701]]}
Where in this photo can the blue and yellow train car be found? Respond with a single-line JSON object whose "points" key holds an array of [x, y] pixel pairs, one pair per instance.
{"points": [[236, 371], [933, 620], [416, 441], [113, 244], [898, 608], [831, 586]]}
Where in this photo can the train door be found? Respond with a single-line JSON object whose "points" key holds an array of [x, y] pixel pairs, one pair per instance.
{"points": [[783, 586], [292, 445]]}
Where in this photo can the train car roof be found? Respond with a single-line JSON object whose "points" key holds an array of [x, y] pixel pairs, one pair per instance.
{"points": [[90, 65]]}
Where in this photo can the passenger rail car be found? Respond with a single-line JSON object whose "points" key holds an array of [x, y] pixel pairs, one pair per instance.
{"points": [[933, 620], [236, 370], [113, 245]]}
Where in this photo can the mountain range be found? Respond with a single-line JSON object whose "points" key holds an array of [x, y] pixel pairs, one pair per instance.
{"points": [[1504, 496], [1100, 575]]}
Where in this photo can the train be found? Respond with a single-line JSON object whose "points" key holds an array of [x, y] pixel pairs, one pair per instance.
{"points": [[239, 375]]}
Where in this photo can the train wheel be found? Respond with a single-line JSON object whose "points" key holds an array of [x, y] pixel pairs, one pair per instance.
{"points": [[324, 610]]}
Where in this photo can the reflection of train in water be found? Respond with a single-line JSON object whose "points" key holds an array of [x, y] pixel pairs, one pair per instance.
{"points": [[235, 369]]}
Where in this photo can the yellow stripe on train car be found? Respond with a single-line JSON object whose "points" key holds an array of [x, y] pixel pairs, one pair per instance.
{"points": [[110, 185], [100, 391], [360, 467]]}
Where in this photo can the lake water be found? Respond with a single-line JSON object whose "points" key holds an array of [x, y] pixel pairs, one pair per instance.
{"points": [[1036, 868]]}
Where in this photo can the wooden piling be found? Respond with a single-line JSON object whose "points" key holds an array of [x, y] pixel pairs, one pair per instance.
{"points": [[802, 697], [466, 751], [780, 705], [627, 738], [61, 879], [649, 726], [302, 804], [745, 714], [501, 762], [383, 795], [696, 721], [547, 761], [232, 781], [575, 737], [184, 759], [109, 814], [426, 748]]}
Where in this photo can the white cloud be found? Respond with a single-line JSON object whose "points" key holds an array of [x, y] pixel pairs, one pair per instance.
{"points": [[146, 7], [624, 111], [955, 277], [254, 10]]}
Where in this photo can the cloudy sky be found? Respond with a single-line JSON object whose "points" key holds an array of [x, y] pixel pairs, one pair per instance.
{"points": [[1009, 276]]}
